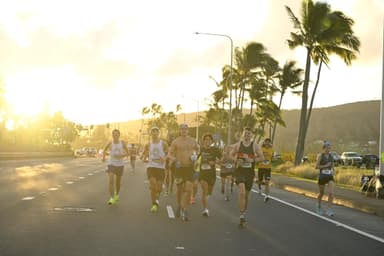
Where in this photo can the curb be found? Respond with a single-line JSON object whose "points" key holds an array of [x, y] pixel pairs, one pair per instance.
{"points": [[337, 200]]}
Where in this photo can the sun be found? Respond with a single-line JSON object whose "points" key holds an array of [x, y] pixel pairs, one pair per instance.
{"points": [[25, 97]]}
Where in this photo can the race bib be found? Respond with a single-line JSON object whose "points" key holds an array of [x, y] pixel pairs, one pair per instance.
{"points": [[157, 160], [246, 165], [205, 167], [326, 171]]}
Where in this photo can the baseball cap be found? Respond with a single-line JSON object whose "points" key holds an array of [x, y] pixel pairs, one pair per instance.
{"points": [[155, 128], [326, 144], [183, 126]]}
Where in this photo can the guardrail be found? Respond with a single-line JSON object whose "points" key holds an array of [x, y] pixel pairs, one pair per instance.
{"points": [[29, 155]]}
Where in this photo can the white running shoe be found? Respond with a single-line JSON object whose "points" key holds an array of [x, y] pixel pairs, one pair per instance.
{"points": [[205, 212]]}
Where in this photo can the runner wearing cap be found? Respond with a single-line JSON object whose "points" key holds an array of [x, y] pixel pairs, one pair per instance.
{"points": [[155, 151], [325, 164], [183, 152]]}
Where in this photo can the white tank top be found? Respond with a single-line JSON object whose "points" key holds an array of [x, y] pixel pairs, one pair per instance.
{"points": [[116, 149], [156, 151]]}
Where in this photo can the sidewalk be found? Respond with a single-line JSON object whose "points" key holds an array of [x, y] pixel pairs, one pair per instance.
{"points": [[343, 196]]}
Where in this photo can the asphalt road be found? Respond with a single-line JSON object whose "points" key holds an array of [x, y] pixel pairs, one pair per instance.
{"points": [[59, 207]]}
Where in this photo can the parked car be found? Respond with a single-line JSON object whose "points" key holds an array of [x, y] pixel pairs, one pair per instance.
{"points": [[351, 158], [370, 161], [336, 158]]}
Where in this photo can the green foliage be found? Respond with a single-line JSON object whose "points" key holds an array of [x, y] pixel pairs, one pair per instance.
{"points": [[166, 121]]}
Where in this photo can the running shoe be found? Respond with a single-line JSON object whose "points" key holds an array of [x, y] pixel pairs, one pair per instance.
{"points": [[226, 198], [242, 219], [111, 201], [266, 198], [193, 200], [116, 197], [157, 202], [154, 208], [185, 216], [330, 212], [205, 212]]}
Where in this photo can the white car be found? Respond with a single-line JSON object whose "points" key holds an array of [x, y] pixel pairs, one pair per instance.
{"points": [[351, 158]]}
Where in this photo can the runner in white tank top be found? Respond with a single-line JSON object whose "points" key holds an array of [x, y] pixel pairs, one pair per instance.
{"points": [[156, 152], [117, 151]]}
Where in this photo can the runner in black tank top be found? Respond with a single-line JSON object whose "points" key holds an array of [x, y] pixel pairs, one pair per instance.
{"points": [[245, 153]]}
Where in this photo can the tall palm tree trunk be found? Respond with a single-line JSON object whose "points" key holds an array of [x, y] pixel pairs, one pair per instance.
{"points": [[313, 97], [275, 122], [303, 115]]}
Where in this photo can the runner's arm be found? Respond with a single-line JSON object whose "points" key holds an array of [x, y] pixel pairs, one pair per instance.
{"points": [[145, 154], [259, 153], [233, 152], [171, 152], [125, 148], [105, 150]]}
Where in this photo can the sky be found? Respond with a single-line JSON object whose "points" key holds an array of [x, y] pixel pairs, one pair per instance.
{"points": [[103, 61]]}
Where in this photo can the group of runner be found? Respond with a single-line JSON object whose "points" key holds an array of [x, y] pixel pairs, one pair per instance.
{"points": [[186, 163]]}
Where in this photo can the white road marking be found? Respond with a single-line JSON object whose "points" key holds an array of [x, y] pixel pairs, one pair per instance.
{"points": [[53, 189], [338, 224], [81, 178], [171, 214], [180, 248], [69, 182], [27, 198]]}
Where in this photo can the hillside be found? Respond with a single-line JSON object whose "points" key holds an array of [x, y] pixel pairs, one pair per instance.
{"points": [[348, 127]]}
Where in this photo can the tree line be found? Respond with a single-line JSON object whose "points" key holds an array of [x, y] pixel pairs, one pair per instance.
{"points": [[255, 78]]}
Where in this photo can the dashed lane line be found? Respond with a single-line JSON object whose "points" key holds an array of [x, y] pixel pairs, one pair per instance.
{"points": [[170, 212]]}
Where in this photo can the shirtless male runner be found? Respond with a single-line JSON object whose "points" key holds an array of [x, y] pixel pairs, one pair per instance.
{"points": [[183, 152]]}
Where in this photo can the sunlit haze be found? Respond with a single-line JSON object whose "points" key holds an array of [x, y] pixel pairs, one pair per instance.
{"points": [[103, 61]]}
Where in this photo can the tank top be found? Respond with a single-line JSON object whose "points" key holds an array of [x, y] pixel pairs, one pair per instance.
{"points": [[246, 151], [208, 155], [116, 149], [156, 151], [268, 153], [325, 159]]}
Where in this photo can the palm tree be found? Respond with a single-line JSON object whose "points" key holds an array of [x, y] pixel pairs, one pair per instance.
{"points": [[322, 32], [289, 78]]}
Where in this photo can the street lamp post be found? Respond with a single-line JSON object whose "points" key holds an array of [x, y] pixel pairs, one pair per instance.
{"points": [[230, 83]]}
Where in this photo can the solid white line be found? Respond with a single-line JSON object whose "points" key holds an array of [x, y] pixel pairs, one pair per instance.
{"points": [[171, 215], [338, 224]]}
